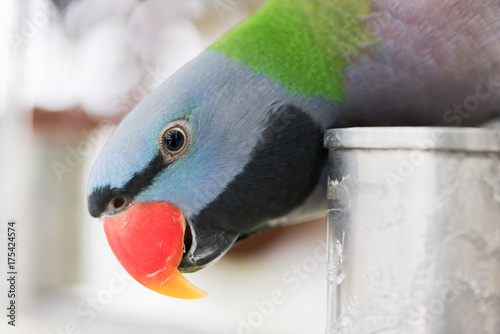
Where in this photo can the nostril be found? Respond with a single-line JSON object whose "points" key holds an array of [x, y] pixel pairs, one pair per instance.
{"points": [[118, 202], [117, 205]]}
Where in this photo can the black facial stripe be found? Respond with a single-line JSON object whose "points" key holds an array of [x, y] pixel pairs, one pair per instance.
{"points": [[284, 169], [101, 196], [144, 179]]}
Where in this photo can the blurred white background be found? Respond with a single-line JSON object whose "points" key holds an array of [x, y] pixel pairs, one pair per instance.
{"points": [[69, 71]]}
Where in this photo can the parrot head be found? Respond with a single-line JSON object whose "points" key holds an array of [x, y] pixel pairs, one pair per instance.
{"points": [[208, 158]]}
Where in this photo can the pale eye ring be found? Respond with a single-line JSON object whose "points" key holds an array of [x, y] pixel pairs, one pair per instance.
{"points": [[175, 139]]}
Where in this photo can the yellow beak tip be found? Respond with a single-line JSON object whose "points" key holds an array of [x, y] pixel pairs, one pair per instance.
{"points": [[177, 286]]}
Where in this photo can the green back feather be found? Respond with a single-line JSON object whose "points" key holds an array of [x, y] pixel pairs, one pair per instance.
{"points": [[302, 44]]}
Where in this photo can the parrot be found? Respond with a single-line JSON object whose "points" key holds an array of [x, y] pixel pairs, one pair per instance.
{"points": [[232, 143]]}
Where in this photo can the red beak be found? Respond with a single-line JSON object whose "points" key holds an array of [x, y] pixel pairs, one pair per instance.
{"points": [[147, 239]]}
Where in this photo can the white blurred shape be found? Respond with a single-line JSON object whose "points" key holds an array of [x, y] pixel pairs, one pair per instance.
{"points": [[7, 14], [48, 81], [150, 21], [104, 66], [82, 15], [98, 53]]}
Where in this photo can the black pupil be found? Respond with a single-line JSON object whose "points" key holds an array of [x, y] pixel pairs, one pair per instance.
{"points": [[174, 140]]}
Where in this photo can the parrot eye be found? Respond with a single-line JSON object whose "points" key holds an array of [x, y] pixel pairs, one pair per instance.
{"points": [[175, 140]]}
